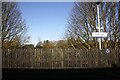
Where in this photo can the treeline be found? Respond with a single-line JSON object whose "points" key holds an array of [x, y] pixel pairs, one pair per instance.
{"points": [[70, 43], [76, 44]]}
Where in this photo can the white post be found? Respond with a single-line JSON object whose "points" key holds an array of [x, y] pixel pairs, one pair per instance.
{"points": [[99, 25]]}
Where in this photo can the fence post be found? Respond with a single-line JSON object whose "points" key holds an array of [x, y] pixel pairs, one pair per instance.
{"points": [[62, 64], [52, 59], [118, 57], [89, 58], [99, 58]]}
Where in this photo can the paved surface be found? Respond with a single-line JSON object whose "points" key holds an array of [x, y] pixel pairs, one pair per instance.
{"points": [[55, 74]]}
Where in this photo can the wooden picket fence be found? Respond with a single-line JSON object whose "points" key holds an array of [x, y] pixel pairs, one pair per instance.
{"points": [[59, 58]]}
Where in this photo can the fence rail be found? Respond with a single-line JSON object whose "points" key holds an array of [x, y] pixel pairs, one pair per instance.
{"points": [[59, 58]]}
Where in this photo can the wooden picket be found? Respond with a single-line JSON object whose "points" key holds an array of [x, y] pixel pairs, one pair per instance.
{"points": [[59, 58]]}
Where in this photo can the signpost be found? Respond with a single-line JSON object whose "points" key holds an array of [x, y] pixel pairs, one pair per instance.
{"points": [[99, 34]]}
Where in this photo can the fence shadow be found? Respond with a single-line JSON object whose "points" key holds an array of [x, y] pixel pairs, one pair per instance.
{"points": [[55, 74]]}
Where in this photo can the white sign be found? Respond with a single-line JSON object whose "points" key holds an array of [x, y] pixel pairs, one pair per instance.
{"points": [[107, 51], [97, 34]]}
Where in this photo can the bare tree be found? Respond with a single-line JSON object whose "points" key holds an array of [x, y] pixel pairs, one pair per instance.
{"points": [[12, 23], [83, 21]]}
